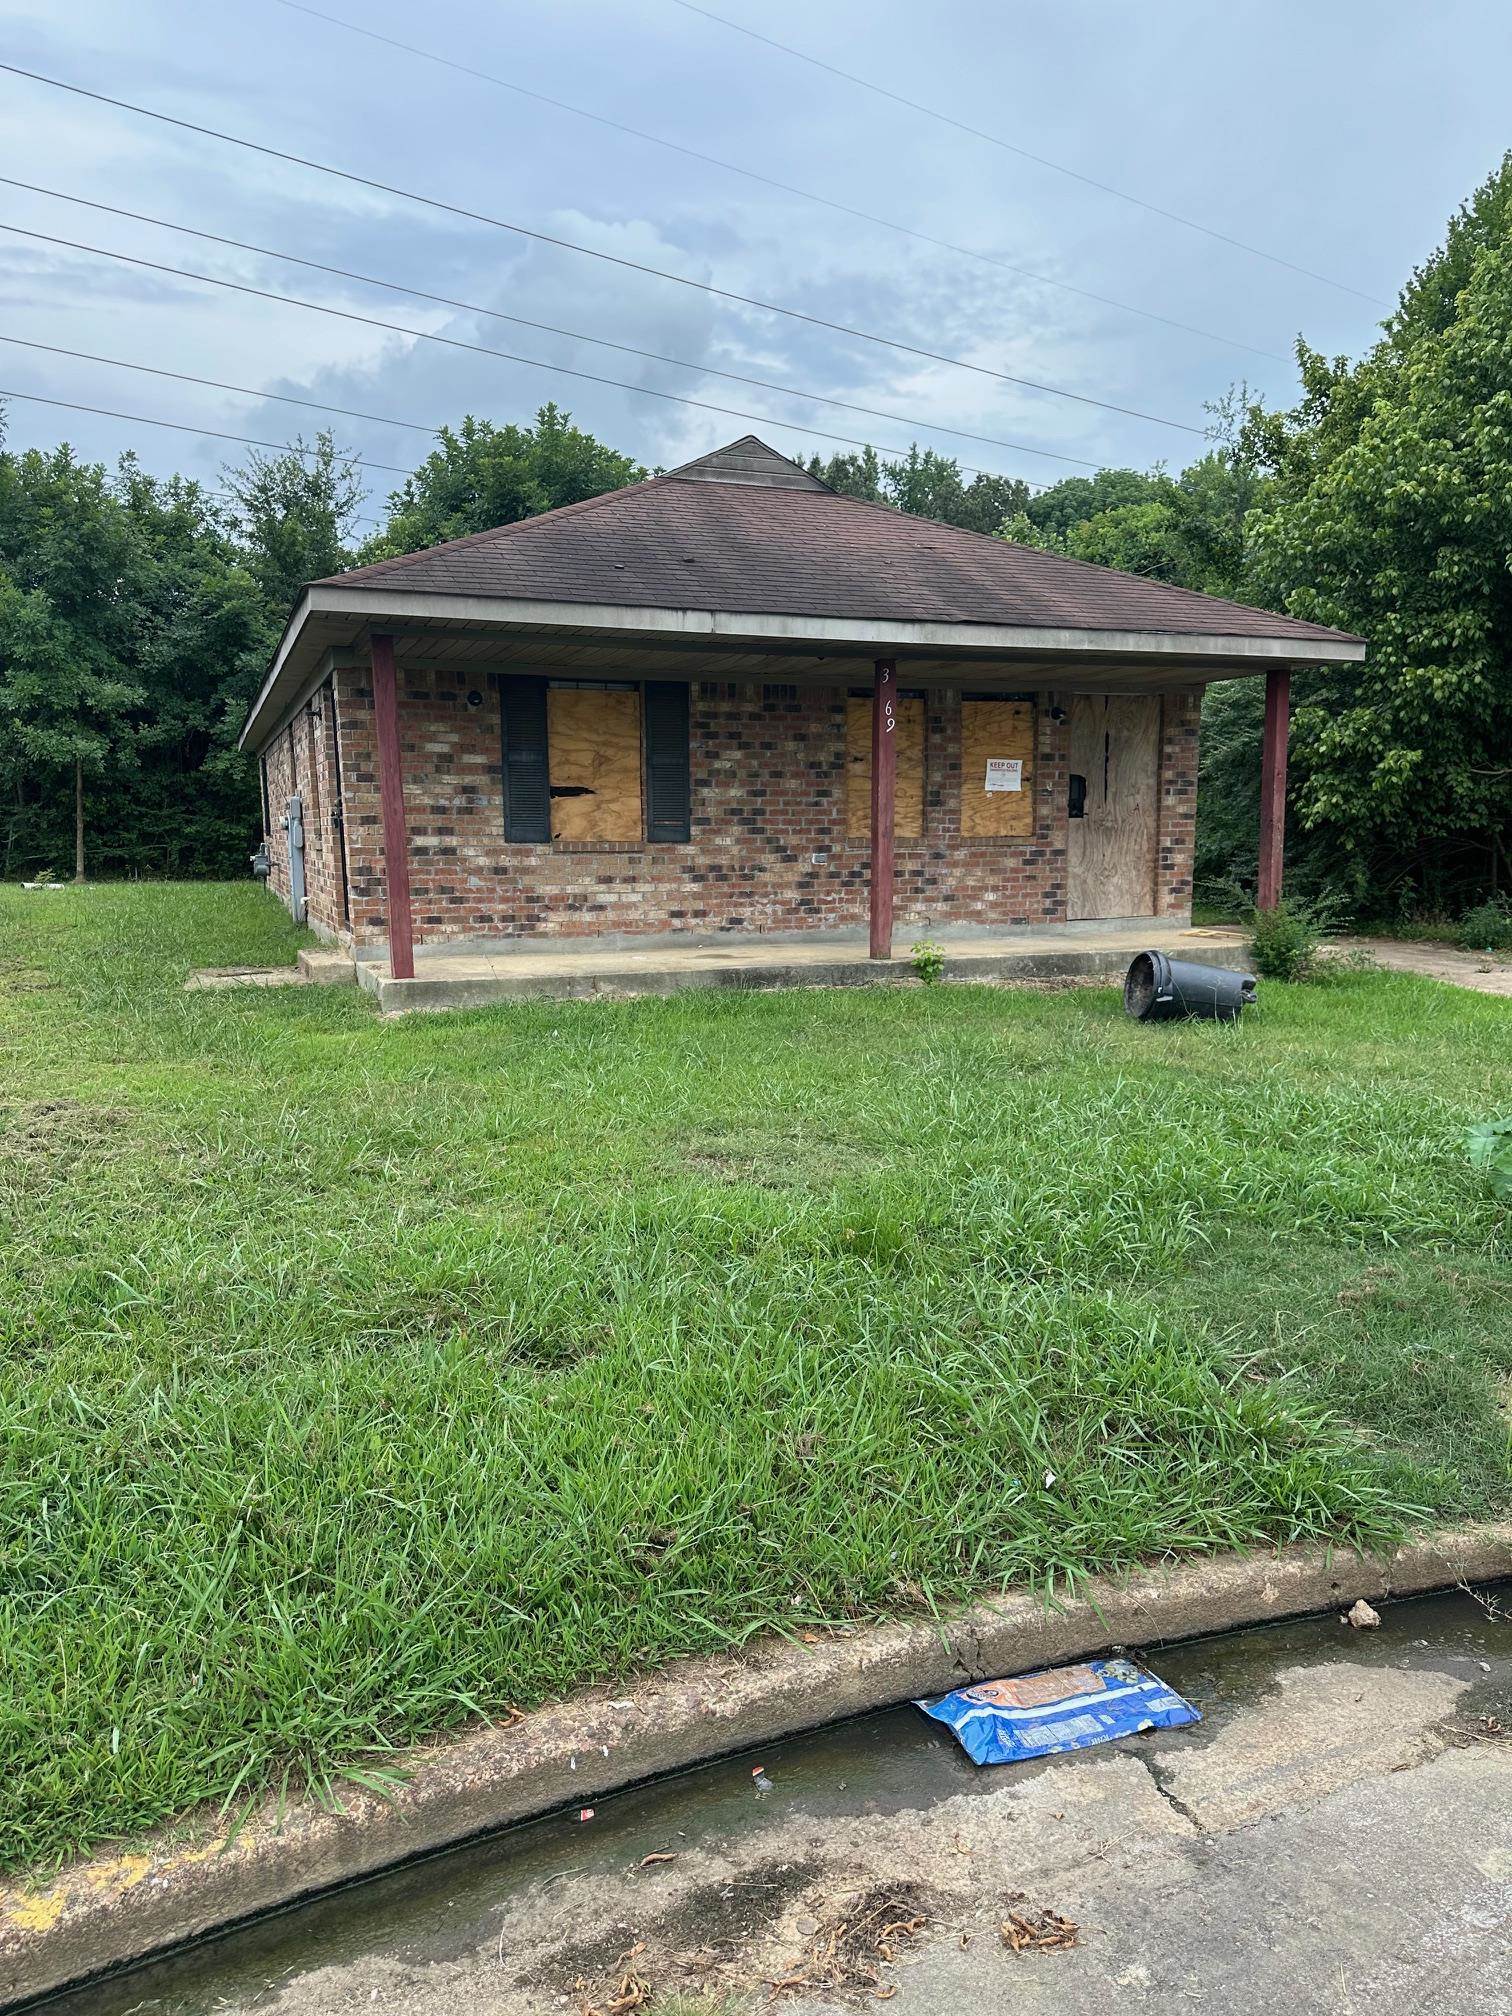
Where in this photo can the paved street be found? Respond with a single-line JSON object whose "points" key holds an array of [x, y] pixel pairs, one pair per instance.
{"points": [[1336, 1836]]}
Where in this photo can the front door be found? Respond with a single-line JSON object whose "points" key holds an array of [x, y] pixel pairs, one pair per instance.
{"points": [[1115, 782]]}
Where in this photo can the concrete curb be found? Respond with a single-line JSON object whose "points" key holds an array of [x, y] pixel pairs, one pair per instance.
{"points": [[191, 1880]]}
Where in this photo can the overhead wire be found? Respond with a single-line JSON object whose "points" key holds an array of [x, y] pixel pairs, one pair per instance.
{"points": [[593, 252], [547, 328], [479, 349], [217, 384], [1025, 154], [775, 182], [184, 427]]}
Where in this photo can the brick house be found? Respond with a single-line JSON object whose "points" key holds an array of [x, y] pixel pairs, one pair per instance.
{"points": [[731, 701]]}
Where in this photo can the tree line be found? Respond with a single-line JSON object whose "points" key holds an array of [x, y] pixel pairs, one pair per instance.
{"points": [[138, 614]]}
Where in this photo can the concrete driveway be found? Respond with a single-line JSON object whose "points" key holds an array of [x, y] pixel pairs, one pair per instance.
{"points": [[1485, 972]]}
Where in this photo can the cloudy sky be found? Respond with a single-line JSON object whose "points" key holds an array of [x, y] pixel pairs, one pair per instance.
{"points": [[1336, 138]]}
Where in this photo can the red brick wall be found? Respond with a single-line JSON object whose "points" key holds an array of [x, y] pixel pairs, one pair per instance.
{"points": [[278, 761], [1176, 831], [768, 852], [302, 758]]}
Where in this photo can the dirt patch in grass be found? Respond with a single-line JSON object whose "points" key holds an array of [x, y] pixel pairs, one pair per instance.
{"points": [[18, 978], [776, 1161], [52, 1131]]}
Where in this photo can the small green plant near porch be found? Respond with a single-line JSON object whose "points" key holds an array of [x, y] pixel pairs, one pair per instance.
{"points": [[1489, 1147], [928, 961], [1286, 941]]}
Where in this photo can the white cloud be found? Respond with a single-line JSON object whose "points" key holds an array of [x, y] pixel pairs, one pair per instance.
{"points": [[1185, 106]]}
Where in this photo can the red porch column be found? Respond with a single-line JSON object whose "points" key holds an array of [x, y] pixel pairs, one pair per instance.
{"points": [[391, 800], [1273, 785], [884, 789]]}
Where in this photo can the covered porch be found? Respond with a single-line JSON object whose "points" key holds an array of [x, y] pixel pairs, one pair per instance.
{"points": [[737, 812]]}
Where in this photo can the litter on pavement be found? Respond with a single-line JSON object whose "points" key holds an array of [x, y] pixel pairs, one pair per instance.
{"points": [[1064, 1708]]}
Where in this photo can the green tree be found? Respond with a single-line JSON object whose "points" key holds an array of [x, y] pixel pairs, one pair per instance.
{"points": [[205, 632], [296, 511], [1019, 529], [926, 484], [70, 565], [134, 628], [1391, 515], [1136, 538], [480, 475], [852, 475], [1075, 499]]}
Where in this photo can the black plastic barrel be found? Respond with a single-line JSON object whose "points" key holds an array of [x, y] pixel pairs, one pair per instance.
{"points": [[1158, 989]]}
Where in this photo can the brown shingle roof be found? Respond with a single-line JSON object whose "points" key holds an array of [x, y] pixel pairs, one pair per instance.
{"points": [[692, 540]]}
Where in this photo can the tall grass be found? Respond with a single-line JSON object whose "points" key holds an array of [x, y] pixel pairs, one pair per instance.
{"points": [[362, 1377]]}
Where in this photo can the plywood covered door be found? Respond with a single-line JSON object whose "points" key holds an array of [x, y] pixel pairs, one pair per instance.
{"points": [[1115, 783]]}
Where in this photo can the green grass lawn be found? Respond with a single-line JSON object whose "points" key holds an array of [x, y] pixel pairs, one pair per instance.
{"points": [[362, 1377]]}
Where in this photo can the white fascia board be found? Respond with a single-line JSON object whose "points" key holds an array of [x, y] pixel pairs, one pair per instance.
{"points": [[874, 634], [286, 645], [379, 604]]}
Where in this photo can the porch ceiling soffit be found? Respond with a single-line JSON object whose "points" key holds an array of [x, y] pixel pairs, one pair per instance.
{"points": [[451, 631]]}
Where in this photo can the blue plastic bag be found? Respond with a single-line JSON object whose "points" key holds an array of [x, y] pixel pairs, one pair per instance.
{"points": [[1063, 1708]]}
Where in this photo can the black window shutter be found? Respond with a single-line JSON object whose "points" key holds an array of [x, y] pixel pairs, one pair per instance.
{"points": [[668, 789], [527, 788]]}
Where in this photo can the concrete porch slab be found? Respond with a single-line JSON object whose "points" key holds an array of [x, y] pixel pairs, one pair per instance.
{"points": [[465, 975]]}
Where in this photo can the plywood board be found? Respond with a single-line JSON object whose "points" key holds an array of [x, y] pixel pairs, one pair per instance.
{"points": [[593, 741], [908, 808], [1110, 850], [995, 735]]}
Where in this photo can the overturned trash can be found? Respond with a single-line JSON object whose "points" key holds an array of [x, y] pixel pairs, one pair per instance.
{"points": [[1158, 989]]}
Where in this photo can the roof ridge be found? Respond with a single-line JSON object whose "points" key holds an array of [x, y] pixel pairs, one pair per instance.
{"points": [[719, 458]]}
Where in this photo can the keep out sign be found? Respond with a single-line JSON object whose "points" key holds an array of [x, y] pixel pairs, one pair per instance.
{"points": [[1005, 773]]}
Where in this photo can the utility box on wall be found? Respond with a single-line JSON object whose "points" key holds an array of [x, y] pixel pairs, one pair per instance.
{"points": [[294, 829]]}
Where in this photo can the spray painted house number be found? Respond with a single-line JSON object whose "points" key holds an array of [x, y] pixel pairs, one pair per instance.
{"points": [[1005, 773]]}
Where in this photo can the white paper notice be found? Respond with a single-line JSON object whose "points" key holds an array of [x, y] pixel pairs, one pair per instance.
{"points": [[1005, 773]]}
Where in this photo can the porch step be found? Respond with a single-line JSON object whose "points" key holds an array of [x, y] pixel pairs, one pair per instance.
{"points": [[456, 979], [327, 966]]}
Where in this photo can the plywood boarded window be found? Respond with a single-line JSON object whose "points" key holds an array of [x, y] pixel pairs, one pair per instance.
{"points": [[997, 769], [593, 739], [908, 806]]}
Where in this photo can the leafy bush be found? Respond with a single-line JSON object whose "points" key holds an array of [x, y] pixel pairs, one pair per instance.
{"points": [[1488, 927], [928, 961], [1489, 1146], [1286, 941]]}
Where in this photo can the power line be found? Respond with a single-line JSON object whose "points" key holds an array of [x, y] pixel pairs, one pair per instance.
{"points": [[774, 182], [588, 251], [286, 398], [1024, 154], [183, 427], [479, 349], [218, 385], [549, 328]]}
